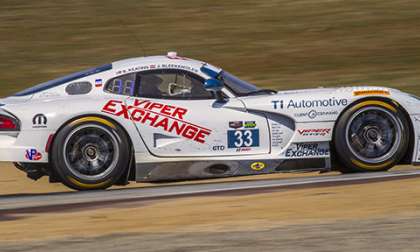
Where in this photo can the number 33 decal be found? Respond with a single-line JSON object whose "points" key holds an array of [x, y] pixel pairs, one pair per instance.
{"points": [[243, 138]]}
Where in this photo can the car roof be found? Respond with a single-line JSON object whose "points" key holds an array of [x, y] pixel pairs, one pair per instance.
{"points": [[159, 62], [156, 60]]}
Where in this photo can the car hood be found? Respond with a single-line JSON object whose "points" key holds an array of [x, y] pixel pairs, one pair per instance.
{"points": [[308, 90], [331, 97]]}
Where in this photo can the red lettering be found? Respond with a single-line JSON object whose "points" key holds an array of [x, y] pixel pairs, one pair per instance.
{"points": [[178, 129], [163, 123], [179, 112], [201, 135], [155, 105], [124, 111], [138, 102], [110, 106], [164, 120], [190, 131], [150, 118], [137, 114], [167, 109]]}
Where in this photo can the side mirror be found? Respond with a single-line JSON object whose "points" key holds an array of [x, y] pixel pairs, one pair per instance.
{"points": [[211, 73], [215, 86]]}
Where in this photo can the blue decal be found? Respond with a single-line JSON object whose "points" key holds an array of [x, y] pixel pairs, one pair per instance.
{"points": [[243, 138], [33, 155], [98, 82], [278, 104]]}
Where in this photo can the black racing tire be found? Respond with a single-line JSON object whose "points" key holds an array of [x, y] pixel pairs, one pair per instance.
{"points": [[90, 153], [371, 136]]}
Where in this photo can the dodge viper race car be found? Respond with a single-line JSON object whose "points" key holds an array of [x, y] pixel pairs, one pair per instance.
{"points": [[169, 118]]}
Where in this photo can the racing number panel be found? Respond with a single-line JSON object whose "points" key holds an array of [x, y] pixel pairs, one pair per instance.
{"points": [[177, 128]]}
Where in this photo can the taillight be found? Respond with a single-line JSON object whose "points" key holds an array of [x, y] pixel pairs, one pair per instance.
{"points": [[8, 123]]}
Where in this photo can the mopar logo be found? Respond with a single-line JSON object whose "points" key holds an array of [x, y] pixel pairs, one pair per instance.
{"points": [[39, 121], [323, 103]]}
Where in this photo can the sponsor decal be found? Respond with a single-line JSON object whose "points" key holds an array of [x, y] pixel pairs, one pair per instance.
{"points": [[250, 124], [156, 66], [33, 155], [240, 124], [321, 103], [98, 83], [308, 150], [160, 116], [314, 132], [314, 114], [371, 92], [278, 104], [246, 138], [236, 124], [39, 121], [258, 166], [219, 148], [243, 149], [277, 135]]}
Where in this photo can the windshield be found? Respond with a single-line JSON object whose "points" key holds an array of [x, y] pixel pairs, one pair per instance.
{"points": [[236, 85], [62, 80]]}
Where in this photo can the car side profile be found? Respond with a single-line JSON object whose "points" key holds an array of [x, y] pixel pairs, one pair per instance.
{"points": [[170, 118]]}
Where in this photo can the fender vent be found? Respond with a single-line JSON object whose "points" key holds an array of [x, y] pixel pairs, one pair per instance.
{"points": [[79, 88], [218, 169]]}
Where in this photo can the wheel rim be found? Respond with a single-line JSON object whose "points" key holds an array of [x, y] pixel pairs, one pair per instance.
{"points": [[373, 134], [91, 152]]}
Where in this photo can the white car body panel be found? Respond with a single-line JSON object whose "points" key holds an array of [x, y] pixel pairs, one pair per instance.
{"points": [[294, 124], [170, 144]]}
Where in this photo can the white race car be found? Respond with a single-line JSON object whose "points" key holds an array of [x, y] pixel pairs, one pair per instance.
{"points": [[169, 118]]}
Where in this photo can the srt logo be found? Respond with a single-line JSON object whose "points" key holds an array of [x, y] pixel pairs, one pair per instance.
{"points": [[39, 121]]}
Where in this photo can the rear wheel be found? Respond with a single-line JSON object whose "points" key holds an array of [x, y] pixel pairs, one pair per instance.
{"points": [[90, 153], [371, 136]]}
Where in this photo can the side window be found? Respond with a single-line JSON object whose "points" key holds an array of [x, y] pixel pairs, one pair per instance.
{"points": [[122, 85], [171, 84]]}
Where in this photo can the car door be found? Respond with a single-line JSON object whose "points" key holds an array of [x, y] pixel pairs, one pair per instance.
{"points": [[177, 117]]}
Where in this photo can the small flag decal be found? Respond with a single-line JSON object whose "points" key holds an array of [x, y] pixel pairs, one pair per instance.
{"points": [[98, 83]]}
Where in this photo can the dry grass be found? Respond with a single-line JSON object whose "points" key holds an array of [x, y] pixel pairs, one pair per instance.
{"points": [[281, 44]]}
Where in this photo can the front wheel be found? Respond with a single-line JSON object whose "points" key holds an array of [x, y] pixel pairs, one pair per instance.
{"points": [[90, 153], [371, 136]]}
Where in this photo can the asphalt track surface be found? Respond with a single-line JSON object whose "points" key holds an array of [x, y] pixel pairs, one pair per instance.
{"points": [[38, 202]]}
